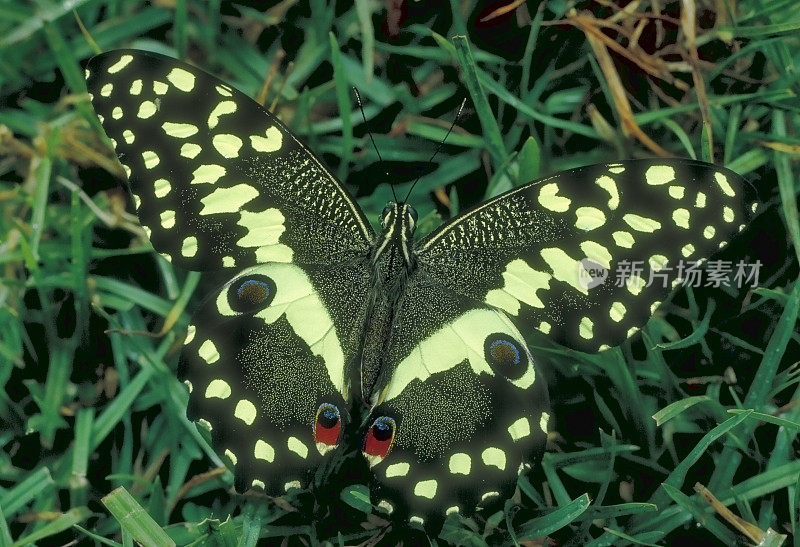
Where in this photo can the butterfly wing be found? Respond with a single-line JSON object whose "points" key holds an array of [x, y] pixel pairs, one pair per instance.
{"points": [[216, 179], [539, 252], [219, 182], [266, 364], [463, 411]]}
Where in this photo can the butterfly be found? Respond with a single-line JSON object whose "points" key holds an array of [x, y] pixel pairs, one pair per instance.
{"points": [[330, 334]]}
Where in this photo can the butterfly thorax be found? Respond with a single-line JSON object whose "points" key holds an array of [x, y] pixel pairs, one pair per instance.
{"points": [[392, 260]]}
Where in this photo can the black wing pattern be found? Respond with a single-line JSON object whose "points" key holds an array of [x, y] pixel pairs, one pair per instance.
{"points": [[216, 179], [525, 251]]}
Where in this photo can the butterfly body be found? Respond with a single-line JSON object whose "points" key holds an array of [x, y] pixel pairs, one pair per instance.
{"points": [[409, 350]]}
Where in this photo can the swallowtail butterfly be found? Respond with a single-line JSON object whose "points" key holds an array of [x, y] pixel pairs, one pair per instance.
{"points": [[416, 347]]}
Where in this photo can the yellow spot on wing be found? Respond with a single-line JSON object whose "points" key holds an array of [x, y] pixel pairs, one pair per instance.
{"points": [[224, 107], [617, 311], [460, 463], [640, 223], [167, 218], [116, 113], [222, 91], [494, 457], [190, 150], [119, 65], [677, 192], [106, 90], [231, 456], [657, 262], [426, 489], [128, 136], [544, 327], [623, 239], [724, 185], [189, 247], [227, 200], [549, 200], [543, 422], [399, 469], [585, 328], [271, 143], [681, 218], [136, 87], [687, 250], [520, 285], [589, 218], [700, 201], [635, 284], [160, 88], [227, 145], [245, 411], [179, 130], [709, 232], [218, 388], [191, 330], [208, 352], [727, 214], [207, 173], [297, 446], [263, 231], [607, 183], [264, 451], [146, 109], [659, 174], [161, 188], [520, 429], [598, 253], [181, 79], [565, 268], [150, 158]]}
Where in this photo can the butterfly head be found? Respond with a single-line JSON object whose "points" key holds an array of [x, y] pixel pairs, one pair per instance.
{"points": [[399, 213], [398, 222]]}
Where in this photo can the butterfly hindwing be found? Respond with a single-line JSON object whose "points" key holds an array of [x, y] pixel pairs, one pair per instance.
{"points": [[526, 251], [266, 368], [217, 180], [465, 402]]}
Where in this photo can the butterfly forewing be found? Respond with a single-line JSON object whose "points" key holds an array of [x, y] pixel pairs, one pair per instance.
{"points": [[572, 255], [216, 179]]}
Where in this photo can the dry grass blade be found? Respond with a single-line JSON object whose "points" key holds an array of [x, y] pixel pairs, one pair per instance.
{"points": [[629, 126]]}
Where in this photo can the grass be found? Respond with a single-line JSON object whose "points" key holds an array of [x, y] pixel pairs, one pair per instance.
{"points": [[688, 431]]}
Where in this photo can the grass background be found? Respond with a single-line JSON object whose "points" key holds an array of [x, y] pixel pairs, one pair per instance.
{"points": [[89, 404]]}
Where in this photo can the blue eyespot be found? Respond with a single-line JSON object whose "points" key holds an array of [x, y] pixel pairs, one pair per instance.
{"points": [[502, 350], [251, 293], [248, 288], [505, 355]]}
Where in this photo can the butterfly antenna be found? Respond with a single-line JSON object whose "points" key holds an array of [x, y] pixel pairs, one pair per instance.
{"points": [[375, 146], [452, 125]]}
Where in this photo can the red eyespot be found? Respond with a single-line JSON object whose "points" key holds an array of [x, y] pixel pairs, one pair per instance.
{"points": [[378, 440], [327, 426]]}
